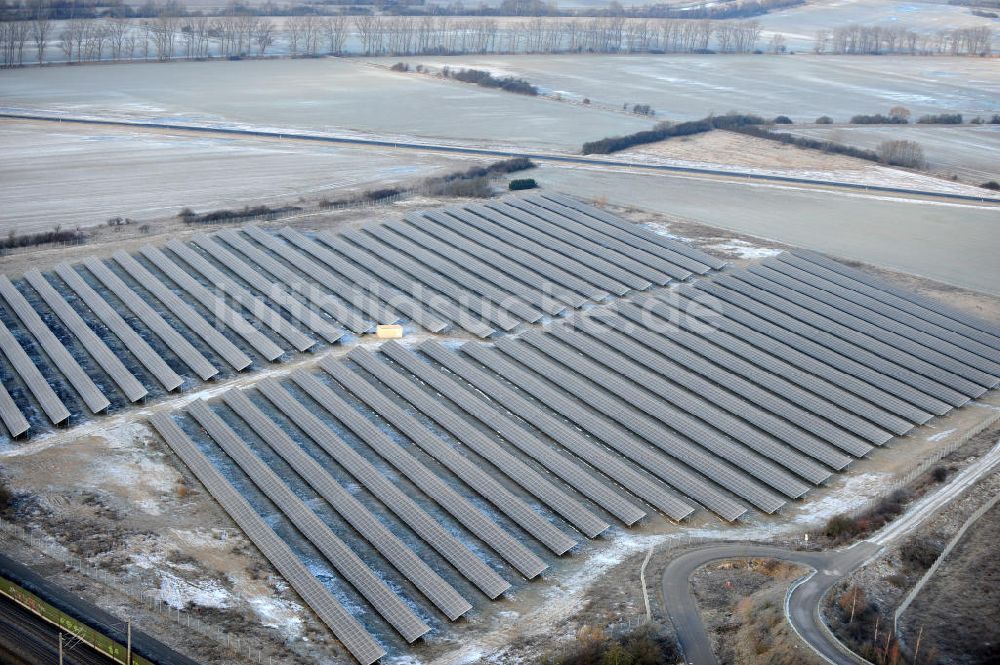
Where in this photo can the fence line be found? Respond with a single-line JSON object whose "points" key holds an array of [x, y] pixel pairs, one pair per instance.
{"points": [[137, 588], [935, 457], [902, 607]]}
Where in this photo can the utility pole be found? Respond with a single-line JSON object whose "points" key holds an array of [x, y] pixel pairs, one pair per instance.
{"points": [[60, 648], [916, 648], [128, 647]]}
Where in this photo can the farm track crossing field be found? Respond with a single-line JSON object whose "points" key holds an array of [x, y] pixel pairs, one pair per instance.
{"points": [[746, 388]]}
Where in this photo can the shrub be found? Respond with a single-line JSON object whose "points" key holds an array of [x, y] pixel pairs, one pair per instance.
{"points": [[978, 120], [643, 109], [939, 474], [908, 154], [940, 119], [56, 235], [878, 119], [992, 184], [511, 165], [919, 554], [648, 645], [474, 188], [810, 143], [667, 130], [381, 194], [824, 120], [487, 80], [522, 183], [782, 120], [896, 580], [400, 67], [995, 120], [840, 527], [6, 496], [189, 216]]}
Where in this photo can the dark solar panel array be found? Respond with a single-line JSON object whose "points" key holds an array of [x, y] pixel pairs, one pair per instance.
{"points": [[733, 393], [238, 299]]}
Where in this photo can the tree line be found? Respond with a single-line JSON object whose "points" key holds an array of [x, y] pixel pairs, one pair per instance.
{"points": [[168, 37], [71, 9], [903, 153], [165, 32], [669, 130], [168, 31], [859, 39]]}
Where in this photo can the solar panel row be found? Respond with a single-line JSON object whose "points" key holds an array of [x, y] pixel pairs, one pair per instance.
{"points": [[442, 594], [753, 386], [53, 348], [509, 464], [402, 505], [114, 322], [93, 344], [33, 379], [316, 531], [347, 629]]}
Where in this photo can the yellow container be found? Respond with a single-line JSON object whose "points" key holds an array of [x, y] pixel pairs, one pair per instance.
{"points": [[389, 332]]}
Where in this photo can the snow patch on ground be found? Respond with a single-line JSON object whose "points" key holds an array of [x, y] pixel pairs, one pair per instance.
{"points": [[744, 250], [280, 614], [661, 229], [852, 493], [941, 436], [179, 593]]}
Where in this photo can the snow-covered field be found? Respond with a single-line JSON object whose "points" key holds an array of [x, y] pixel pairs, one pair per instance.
{"points": [[971, 153], [801, 86], [328, 95], [949, 242], [74, 175], [799, 24], [861, 172]]}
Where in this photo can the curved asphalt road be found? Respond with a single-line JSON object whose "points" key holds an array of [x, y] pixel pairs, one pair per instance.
{"points": [[801, 605], [564, 158], [803, 601]]}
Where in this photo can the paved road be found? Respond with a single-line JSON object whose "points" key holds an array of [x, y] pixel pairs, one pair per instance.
{"points": [[488, 152], [803, 602]]}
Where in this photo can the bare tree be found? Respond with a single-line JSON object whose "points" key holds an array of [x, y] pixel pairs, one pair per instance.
{"points": [[294, 29], [264, 35], [336, 32], [900, 112], [66, 42], [777, 44], [822, 41], [908, 154], [41, 28], [118, 31]]}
